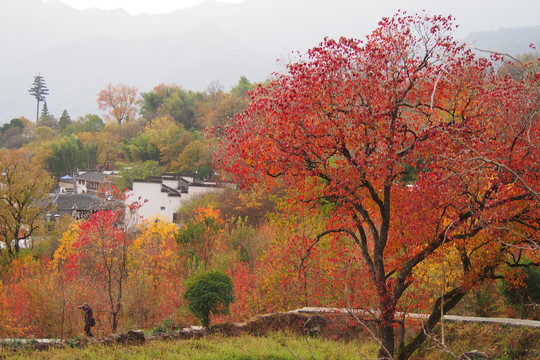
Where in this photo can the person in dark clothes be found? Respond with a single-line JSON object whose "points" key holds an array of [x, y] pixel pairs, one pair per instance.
{"points": [[89, 320]]}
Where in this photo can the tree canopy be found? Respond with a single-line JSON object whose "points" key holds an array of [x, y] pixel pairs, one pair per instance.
{"points": [[119, 101], [23, 188], [347, 122], [39, 90]]}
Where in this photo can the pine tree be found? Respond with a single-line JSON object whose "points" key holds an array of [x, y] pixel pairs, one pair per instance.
{"points": [[39, 90], [44, 110], [64, 120]]}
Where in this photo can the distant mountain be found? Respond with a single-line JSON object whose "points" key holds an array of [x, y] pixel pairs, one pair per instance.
{"points": [[513, 41], [80, 51], [76, 72]]}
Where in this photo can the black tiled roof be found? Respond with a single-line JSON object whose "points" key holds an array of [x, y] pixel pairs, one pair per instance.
{"points": [[170, 191], [65, 203], [96, 176]]}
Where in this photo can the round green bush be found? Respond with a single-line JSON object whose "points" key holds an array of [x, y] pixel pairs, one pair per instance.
{"points": [[209, 293]]}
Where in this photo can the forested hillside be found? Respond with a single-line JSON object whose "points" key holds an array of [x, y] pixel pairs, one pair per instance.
{"points": [[154, 132]]}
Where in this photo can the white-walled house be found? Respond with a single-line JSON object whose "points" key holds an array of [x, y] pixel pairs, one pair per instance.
{"points": [[163, 195], [159, 195]]}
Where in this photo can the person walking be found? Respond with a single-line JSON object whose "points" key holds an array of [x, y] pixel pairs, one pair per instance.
{"points": [[89, 320]]}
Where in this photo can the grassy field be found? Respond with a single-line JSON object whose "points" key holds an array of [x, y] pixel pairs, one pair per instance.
{"points": [[276, 346], [498, 342]]}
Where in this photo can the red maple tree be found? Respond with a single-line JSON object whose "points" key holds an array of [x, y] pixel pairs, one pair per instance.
{"points": [[418, 146]]}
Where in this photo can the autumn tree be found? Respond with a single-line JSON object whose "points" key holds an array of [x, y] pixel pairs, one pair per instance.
{"points": [[12, 134], [23, 186], [40, 91], [176, 149], [349, 121], [154, 276], [217, 107], [99, 253], [88, 123], [108, 141], [199, 237], [173, 102], [120, 102], [29, 299], [103, 257]]}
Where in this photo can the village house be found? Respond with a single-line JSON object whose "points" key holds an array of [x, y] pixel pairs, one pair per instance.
{"points": [[163, 195], [79, 206], [158, 195], [86, 181]]}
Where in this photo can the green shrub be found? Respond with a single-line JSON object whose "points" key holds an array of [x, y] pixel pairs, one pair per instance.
{"points": [[523, 298], [209, 293], [167, 326], [484, 300]]}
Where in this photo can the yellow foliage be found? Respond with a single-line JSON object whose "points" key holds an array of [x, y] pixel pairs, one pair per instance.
{"points": [[154, 245], [160, 124], [65, 249], [154, 228]]}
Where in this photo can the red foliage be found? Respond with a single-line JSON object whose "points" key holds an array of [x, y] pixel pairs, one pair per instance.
{"points": [[346, 126], [244, 284]]}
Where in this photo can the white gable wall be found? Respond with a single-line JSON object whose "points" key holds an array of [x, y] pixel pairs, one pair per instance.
{"points": [[160, 203], [157, 202], [196, 190], [173, 183]]}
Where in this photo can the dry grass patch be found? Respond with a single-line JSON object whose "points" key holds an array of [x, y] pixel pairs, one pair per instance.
{"points": [[497, 342]]}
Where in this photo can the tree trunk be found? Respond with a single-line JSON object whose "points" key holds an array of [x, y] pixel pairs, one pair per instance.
{"points": [[37, 112], [114, 322], [451, 299], [62, 285], [387, 332]]}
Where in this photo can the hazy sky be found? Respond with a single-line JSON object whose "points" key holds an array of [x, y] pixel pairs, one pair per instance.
{"points": [[473, 15], [138, 6]]}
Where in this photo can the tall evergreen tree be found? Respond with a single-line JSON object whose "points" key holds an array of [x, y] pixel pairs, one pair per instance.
{"points": [[64, 120], [46, 118], [39, 90]]}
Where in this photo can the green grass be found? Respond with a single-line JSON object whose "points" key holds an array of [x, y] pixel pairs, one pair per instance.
{"points": [[274, 347]]}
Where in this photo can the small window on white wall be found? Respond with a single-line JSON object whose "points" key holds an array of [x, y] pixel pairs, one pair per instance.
{"points": [[163, 208]]}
